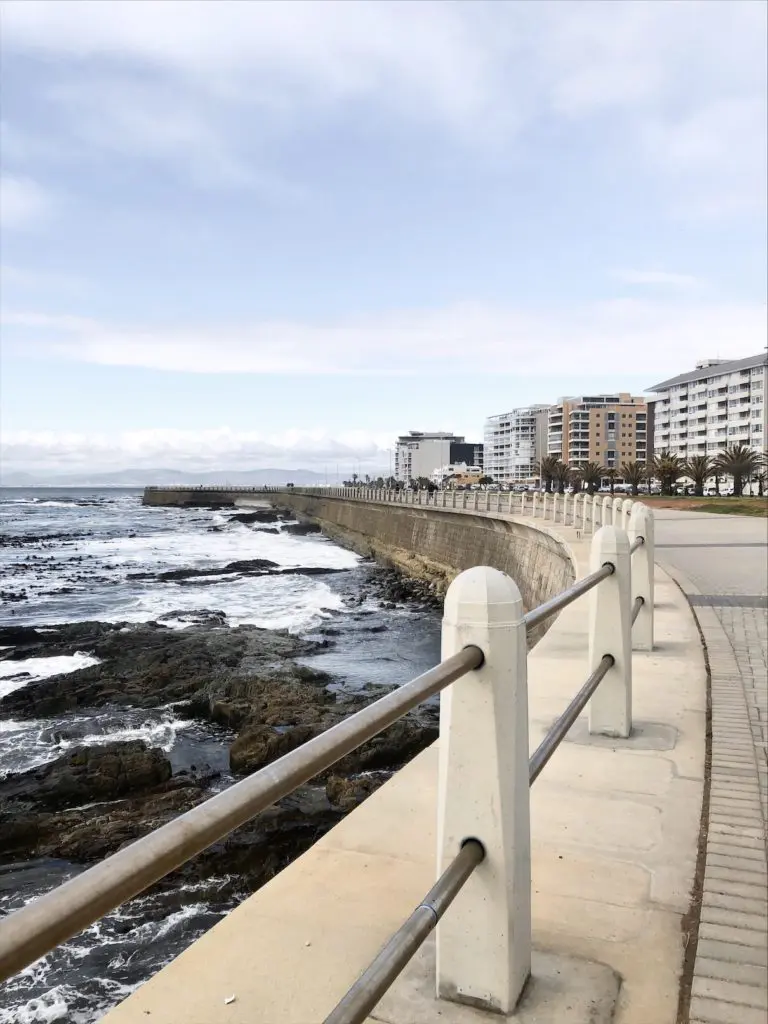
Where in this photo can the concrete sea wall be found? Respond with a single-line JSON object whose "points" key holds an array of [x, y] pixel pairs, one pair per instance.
{"points": [[433, 544]]}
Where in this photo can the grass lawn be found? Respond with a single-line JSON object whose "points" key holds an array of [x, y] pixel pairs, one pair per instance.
{"points": [[718, 506]]}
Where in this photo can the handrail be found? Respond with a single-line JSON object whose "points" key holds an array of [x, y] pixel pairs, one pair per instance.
{"points": [[555, 604], [557, 733], [37, 928], [393, 958], [636, 543], [636, 606]]}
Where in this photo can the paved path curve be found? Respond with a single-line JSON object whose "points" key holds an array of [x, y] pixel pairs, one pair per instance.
{"points": [[721, 562]]}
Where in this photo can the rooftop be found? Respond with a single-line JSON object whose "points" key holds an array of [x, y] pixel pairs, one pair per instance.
{"points": [[715, 369]]}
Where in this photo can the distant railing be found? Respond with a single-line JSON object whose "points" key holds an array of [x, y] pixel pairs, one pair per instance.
{"points": [[484, 956]]}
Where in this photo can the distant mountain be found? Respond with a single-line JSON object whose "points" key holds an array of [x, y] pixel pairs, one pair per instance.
{"points": [[158, 477]]}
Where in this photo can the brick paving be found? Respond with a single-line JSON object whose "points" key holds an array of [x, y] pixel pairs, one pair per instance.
{"points": [[730, 976]]}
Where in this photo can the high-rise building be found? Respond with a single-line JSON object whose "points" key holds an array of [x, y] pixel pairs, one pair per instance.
{"points": [[515, 443], [420, 453], [719, 404], [607, 429]]}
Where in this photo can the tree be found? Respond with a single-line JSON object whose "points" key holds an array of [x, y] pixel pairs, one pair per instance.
{"points": [[634, 473], [699, 469], [668, 468], [739, 462], [561, 475], [547, 468], [592, 473], [610, 475], [485, 480]]}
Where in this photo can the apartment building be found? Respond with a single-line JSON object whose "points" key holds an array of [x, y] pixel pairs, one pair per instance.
{"points": [[719, 404], [420, 453], [514, 444], [608, 429]]}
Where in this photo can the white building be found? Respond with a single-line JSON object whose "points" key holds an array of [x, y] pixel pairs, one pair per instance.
{"points": [[420, 453], [458, 470], [515, 442], [719, 404]]}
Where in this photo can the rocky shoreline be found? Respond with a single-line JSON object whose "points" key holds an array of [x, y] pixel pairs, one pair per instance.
{"points": [[248, 685]]}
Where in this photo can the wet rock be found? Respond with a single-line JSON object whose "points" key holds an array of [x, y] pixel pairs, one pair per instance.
{"points": [[87, 774], [301, 529], [259, 745], [348, 793], [262, 515]]}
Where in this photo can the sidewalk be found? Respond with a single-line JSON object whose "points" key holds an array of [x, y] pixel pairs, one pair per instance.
{"points": [[720, 562], [614, 842]]}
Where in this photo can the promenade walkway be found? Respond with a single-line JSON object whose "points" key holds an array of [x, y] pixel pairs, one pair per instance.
{"points": [[614, 838], [721, 562]]}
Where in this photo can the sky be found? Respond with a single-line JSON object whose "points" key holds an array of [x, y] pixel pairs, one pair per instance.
{"points": [[245, 235]]}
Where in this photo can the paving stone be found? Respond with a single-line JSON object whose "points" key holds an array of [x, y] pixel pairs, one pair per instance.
{"points": [[727, 933], [740, 903], [744, 974], [736, 919], [735, 863], [735, 887], [730, 992], [715, 1011]]}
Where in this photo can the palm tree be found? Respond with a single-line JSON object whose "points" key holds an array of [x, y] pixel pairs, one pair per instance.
{"points": [[485, 480], [610, 475], [561, 475], [592, 473], [634, 473], [668, 468], [739, 462], [699, 469], [576, 480], [547, 467]]}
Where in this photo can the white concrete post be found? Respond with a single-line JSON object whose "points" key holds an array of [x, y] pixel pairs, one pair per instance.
{"points": [[534, 504], [453, 498], [641, 525], [584, 512], [610, 708], [484, 943], [463, 499], [477, 498], [606, 519], [544, 504], [618, 516], [597, 509], [566, 503], [487, 501], [626, 512]]}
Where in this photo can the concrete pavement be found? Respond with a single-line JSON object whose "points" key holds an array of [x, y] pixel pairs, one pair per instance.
{"points": [[614, 840], [721, 562]]}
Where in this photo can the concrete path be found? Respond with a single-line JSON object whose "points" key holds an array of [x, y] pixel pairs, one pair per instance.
{"points": [[615, 825], [721, 562]]}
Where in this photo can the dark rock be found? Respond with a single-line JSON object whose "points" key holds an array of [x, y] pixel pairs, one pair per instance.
{"points": [[262, 515], [301, 529], [347, 793], [259, 745]]}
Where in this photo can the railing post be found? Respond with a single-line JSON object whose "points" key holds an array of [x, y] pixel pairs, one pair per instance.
{"points": [[641, 525], [463, 499], [606, 517], [544, 504], [534, 504], [618, 517], [627, 506], [484, 943], [610, 708], [566, 503], [596, 512]]}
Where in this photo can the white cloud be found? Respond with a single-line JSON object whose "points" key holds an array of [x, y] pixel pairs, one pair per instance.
{"points": [[657, 277], [654, 337], [23, 203], [192, 450], [683, 83]]}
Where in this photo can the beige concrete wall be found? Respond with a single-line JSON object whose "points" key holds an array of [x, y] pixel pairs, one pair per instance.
{"points": [[437, 545]]}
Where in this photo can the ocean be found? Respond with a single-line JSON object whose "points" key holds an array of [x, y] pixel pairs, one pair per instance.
{"points": [[69, 556]]}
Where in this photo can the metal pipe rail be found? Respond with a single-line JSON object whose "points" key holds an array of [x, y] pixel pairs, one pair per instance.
{"points": [[637, 605], [636, 543], [577, 590], [373, 983], [379, 975], [37, 928]]}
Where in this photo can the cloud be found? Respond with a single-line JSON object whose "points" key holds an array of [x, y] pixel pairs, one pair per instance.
{"points": [[192, 450], [23, 203], [657, 277], [653, 337], [683, 84]]}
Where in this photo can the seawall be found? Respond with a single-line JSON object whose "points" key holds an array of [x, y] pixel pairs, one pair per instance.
{"points": [[433, 544]]}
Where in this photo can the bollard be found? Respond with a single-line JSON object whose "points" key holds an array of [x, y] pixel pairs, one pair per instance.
{"points": [[464, 499], [544, 504], [610, 708], [597, 510], [484, 943], [566, 503], [641, 525], [626, 512], [606, 516], [618, 515], [585, 513], [534, 504]]}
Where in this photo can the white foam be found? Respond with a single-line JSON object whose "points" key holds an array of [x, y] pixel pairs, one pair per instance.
{"points": [[18, 673], [44, 1010], [157, 734]]}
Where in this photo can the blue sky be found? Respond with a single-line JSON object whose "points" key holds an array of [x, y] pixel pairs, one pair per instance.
{"points": [[245, 235]]}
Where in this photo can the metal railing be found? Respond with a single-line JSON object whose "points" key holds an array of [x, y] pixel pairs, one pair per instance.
{"points": [[484, 647]]}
